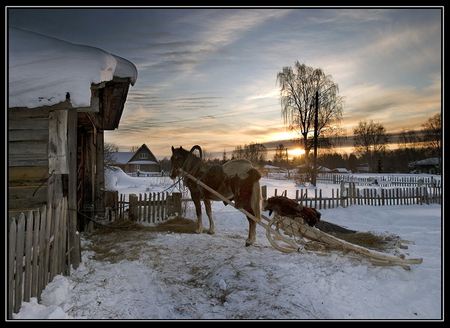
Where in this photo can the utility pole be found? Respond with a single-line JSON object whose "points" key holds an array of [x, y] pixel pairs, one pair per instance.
{"points": [[316, 125], [287, 163]]}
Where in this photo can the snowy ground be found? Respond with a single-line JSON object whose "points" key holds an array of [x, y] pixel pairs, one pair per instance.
{"points": [[149, 274]]}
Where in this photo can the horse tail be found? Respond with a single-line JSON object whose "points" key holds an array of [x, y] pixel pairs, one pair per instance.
{"points": [[255, 201]]}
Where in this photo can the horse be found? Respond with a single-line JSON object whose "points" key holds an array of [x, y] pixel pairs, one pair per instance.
{"points": [[236, 180]]}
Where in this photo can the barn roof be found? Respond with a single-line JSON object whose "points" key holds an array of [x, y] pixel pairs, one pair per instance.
{"points": [[44, 71]]}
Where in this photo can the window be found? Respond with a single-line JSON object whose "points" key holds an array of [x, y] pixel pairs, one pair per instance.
{"points": [[143, 156]]}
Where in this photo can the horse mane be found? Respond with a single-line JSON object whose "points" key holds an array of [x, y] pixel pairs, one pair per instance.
{"points": [[198, 148]]}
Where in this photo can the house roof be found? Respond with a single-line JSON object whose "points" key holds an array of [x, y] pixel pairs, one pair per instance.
{"points": [[126, 157], [428, 161], [142, 162], [44, 71], [122, 157], [340, 170]]}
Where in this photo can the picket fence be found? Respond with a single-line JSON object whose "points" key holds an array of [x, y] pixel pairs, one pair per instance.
{"points": [[37, 252], [351, 195], [382, 180], [149, 207]]}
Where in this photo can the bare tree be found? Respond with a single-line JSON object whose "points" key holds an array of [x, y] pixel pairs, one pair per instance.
{"points": [[299, 86], [280, 154], [109, 150], [432, 135], [134, 149], [370, 140], [410, 145], [254, 152]]}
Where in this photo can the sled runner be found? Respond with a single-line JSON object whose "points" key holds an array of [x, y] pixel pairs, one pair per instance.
{"points": [[296, 235], [312, 239]]}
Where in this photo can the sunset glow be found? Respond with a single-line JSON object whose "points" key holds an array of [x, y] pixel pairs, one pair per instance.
{"points": [[296, 152], [208, 76]]}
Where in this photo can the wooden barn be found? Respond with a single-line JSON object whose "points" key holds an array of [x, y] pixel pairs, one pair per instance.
{"points": [[56, 122], [141, 161]]}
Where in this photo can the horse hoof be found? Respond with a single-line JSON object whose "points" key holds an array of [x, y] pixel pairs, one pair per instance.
{"points": [[210, 232], [199, 231], [248, 244]]}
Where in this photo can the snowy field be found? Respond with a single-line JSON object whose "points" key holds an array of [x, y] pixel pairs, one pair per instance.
{"points": [[148, 274]]}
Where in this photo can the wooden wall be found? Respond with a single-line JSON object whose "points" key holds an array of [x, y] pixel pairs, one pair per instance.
{"points": [[27, 157]]}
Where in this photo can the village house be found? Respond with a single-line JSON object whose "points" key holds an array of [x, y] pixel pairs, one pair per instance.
{"points": [[142, 161], [430, 165], [62, 97]]}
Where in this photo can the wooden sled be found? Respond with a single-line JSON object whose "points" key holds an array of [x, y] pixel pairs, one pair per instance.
{"points": [[297, 236], [312, 239]]}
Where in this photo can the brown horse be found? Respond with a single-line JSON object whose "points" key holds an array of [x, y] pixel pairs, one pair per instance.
{"points": [[235, 180]]}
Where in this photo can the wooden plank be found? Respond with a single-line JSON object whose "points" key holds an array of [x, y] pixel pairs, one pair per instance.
{"points": [[28, 148], [73, 236], [20, 241], [12, 237], [28, 124], [27, 197], [28, 135], [57, 142], [27, 174], [46, 247], [54, 251], [28, 256], [41, 269], [35, 271]]}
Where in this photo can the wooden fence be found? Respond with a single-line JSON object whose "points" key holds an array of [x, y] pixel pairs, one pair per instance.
{"points": [[149, 207], [382, 180], [351, 195], [37, 252]]}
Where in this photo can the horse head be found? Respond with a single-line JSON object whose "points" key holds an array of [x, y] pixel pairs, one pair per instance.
{"points": [[176, 161], [179, 158]]}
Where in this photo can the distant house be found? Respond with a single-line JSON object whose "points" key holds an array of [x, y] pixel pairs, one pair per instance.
{"points": [[338, 170], [140, 161], [302, 168], [430, 165], [363, 168]]}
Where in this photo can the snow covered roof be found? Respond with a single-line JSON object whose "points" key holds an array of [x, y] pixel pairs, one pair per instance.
{"points": [[43, 70], [428, 161], [121, 157], [271, 167], [142, 162], [339, 170]]}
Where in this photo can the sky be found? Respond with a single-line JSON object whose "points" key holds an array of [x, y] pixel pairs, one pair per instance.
{"points": [[207, 76]]}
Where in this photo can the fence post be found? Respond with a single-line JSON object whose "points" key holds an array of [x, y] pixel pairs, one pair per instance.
{"points": [[133, 209], [342, 193], [264, 192], [176, 200]]}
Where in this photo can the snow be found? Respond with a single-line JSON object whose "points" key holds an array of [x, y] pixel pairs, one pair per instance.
{"points": [[42, 70], [166, 275]]}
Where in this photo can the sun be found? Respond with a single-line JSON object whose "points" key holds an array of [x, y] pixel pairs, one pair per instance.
{"points": [[296, 152]]}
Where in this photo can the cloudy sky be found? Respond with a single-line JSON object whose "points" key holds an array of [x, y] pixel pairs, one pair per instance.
{"points": [[208, 76]]}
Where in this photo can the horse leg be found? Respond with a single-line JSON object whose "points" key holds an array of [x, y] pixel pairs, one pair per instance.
{"points": [[253, 206], [210, 217], [251, 232], [198, 211]]}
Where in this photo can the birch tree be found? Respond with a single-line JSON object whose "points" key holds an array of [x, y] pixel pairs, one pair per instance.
{"points": [[298, 87]]}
